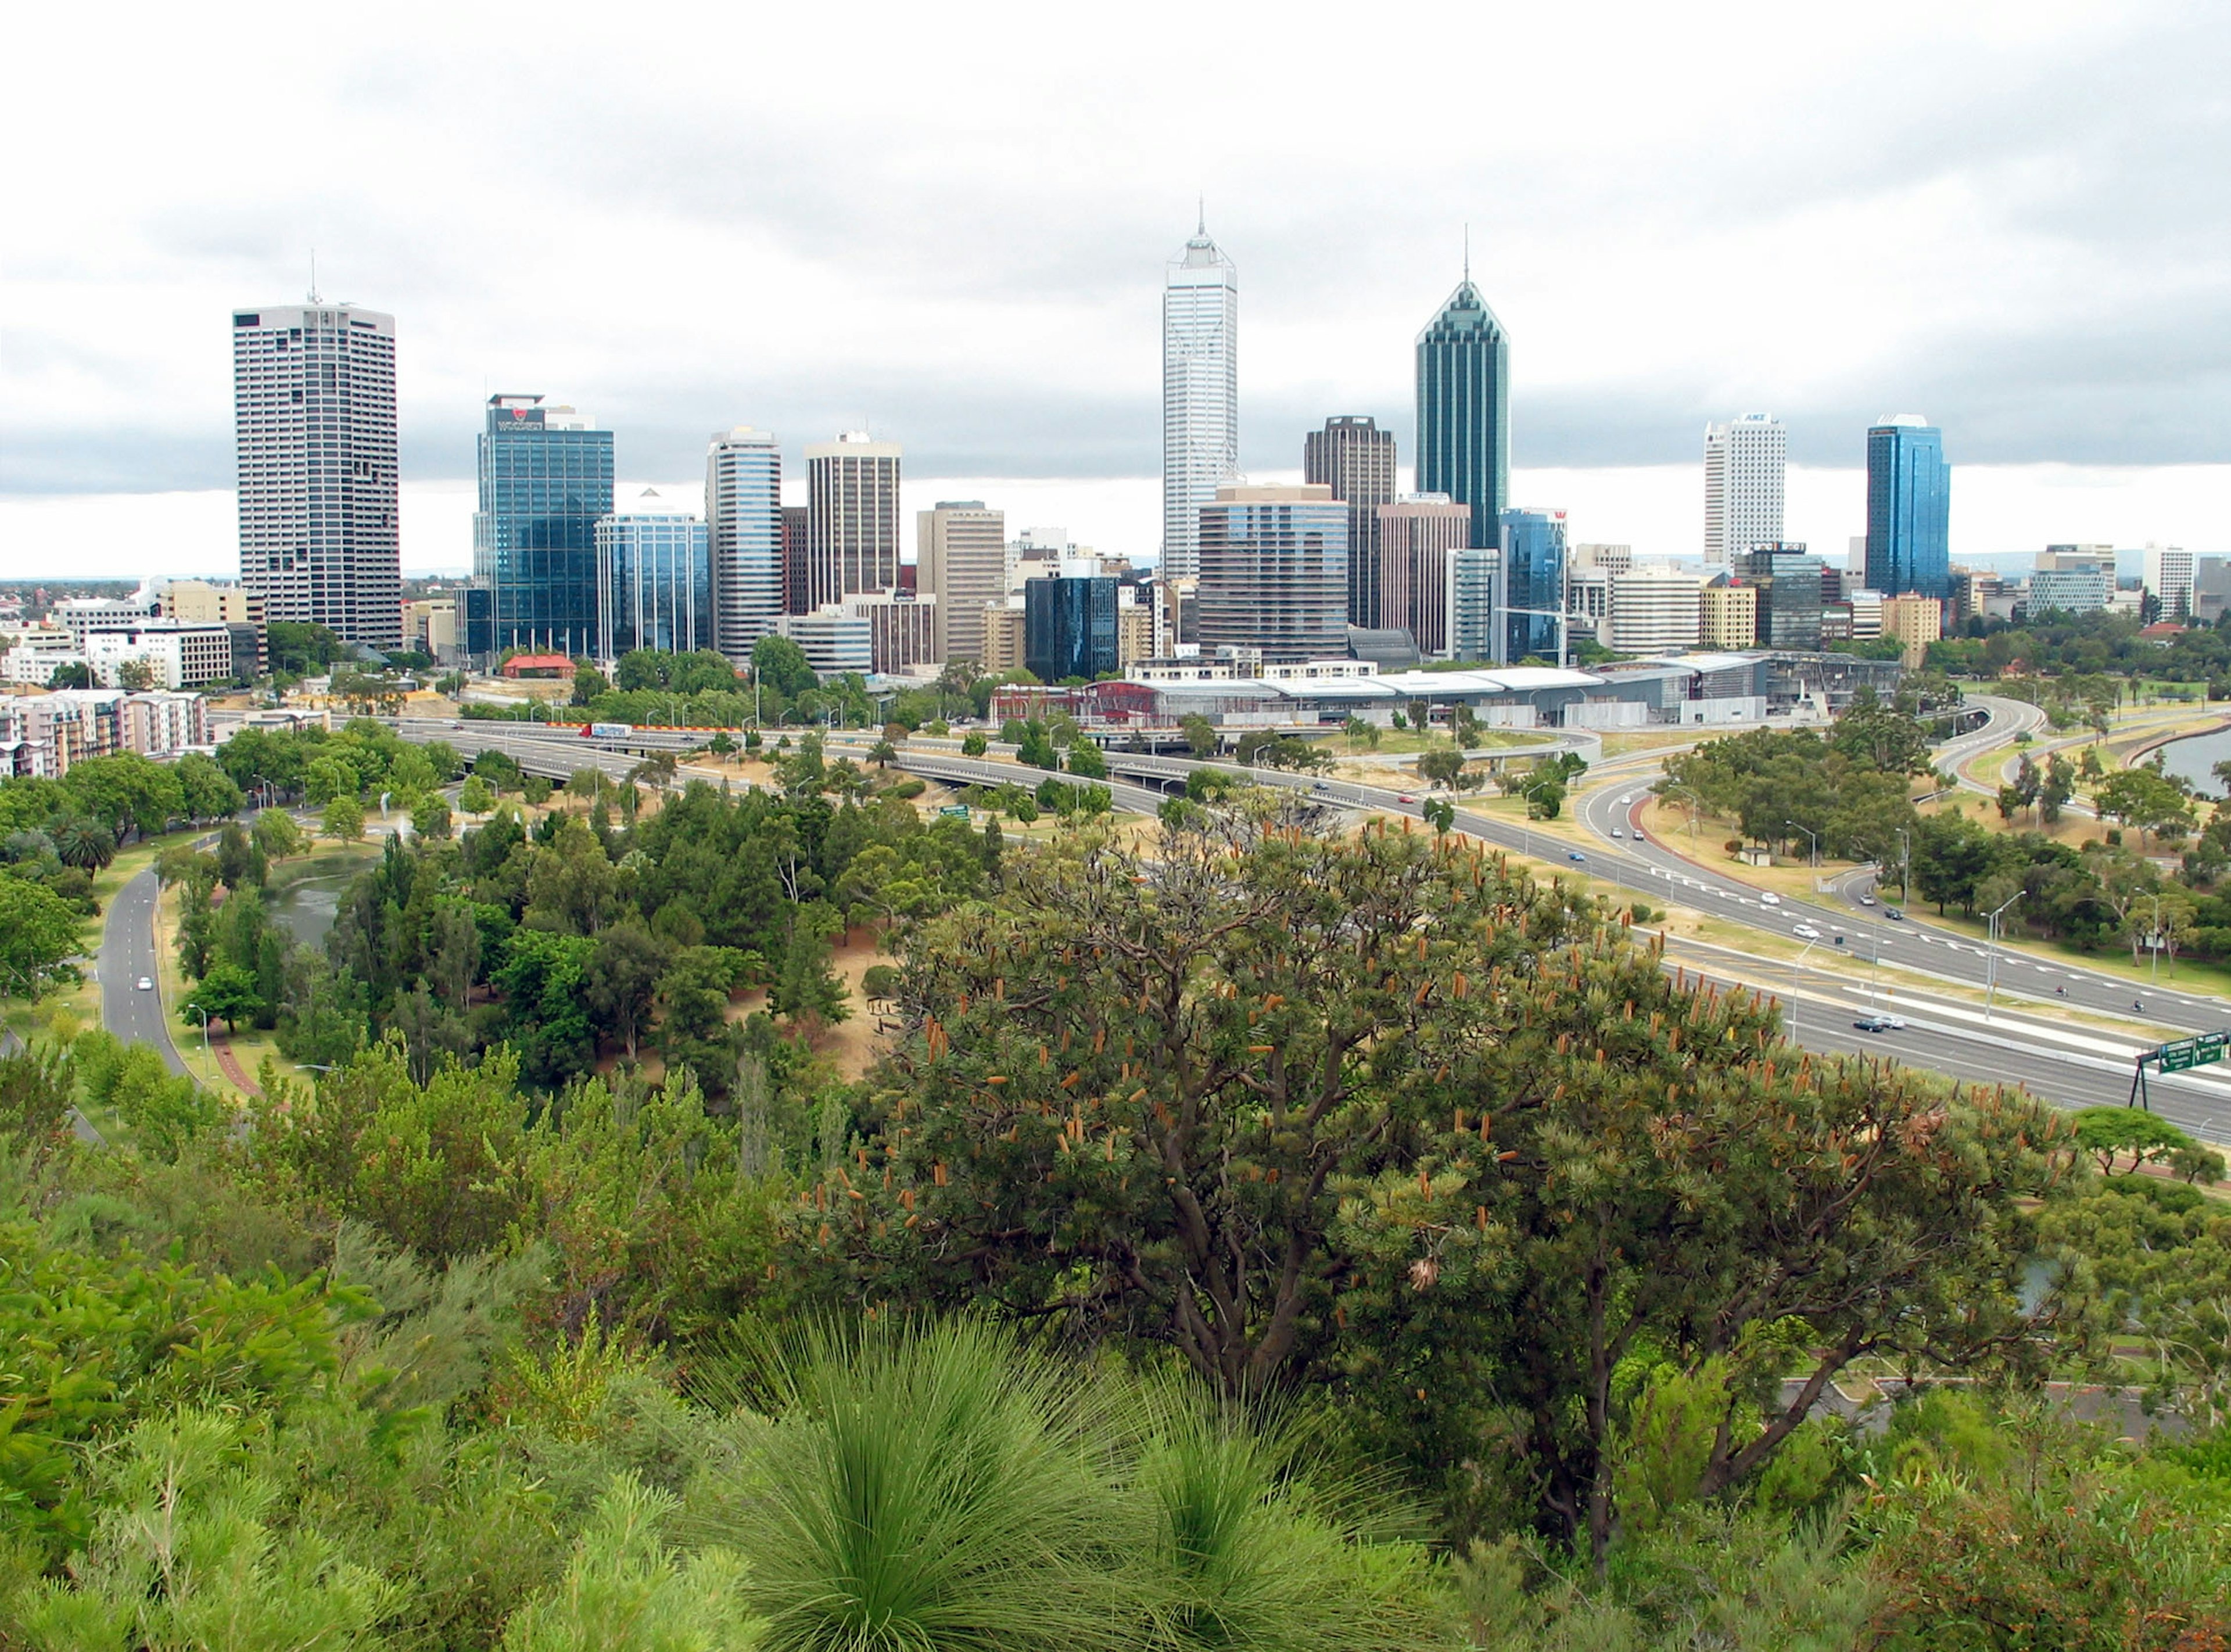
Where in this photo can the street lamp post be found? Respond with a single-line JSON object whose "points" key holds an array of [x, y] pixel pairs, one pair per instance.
{"points": [[1991, 965], [2154, 942], [1905, 865], [1812, 837], [203, 1014]]}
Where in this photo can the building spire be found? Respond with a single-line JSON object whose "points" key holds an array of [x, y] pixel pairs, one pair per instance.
{"points": [[1467, 251], [1200, 226], [313, 276]]}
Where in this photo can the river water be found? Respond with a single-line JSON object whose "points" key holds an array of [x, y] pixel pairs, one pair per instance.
{"points": [[2194, 760], [308, 904]]}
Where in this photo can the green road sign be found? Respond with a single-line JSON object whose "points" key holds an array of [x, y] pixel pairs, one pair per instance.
{"points": [[2176, 1058]]}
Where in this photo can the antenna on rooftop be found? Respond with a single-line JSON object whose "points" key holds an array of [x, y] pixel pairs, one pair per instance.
{"points": [[1467, 251], [313, 276]]}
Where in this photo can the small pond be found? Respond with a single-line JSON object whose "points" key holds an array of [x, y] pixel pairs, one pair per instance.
{"points": [[2192, 759], [306, 897]]}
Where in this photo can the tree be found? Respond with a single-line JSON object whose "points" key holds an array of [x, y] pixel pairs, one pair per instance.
{"points": [[1442, 765], [38, 937], [1296, 1105], [780, 664], [135, 676], [81, 841], [973, 743], [2108, 1132], [1085, 758], [476, 796], [624, 976], [432, 817], [328, 777], [206, 791], [227, 993], [276, 834], [344, 820], [1359, 728], [1201, 736], [588, 683]]}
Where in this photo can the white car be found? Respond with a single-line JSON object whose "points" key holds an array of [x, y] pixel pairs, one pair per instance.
{"points": [[1617, 832], [144, 984], [1867, 900], [1806, 932], [1770, 899]]}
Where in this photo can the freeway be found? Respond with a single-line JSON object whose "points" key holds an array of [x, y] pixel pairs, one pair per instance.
{"points": [[127, 957], [2059, 1063]]}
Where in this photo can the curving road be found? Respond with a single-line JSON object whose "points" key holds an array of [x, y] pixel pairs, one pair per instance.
{"points": [[127, 955]]}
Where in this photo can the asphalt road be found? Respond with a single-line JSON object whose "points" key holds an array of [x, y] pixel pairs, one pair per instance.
{"points": [[127, 954]]}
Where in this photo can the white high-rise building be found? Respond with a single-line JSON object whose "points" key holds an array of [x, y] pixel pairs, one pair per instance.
{"points": [[1201, 395], [852, 517], [2168, 578], [1654, 610], [743, 522], [1743, 465], [314, 429]]}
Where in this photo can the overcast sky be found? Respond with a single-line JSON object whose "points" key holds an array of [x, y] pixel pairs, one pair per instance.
{"points": [[950, 224]]}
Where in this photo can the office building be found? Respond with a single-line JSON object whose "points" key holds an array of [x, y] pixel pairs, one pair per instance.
{"points": [[1474, 603], [902, 628], [1533, 595], [1418, 534], [961, 558], [1587, 603], [1463, 408], [1605, 558], [1866, 611], [2168, 580], [1914, 622], [1744, 462], [167, 654], [1909, 508], [1134, 625], [1727, 613], [314, 434], [1200, 394], [1070, 627], [654, 579], [852, 517], [1654, 610], [793, 558], [546, 482], [1274, 571], [81, 616], [1789, 584], [835, 640], [743, 532], [1355, 459], [1002, 636], [2072, 579]]}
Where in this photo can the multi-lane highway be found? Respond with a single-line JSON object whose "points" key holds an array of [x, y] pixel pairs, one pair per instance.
{"points": [[128, 957], [1835, 986]]}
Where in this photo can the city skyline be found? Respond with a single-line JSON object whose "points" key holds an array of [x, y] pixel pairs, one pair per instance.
{"points": [[988, 311]]}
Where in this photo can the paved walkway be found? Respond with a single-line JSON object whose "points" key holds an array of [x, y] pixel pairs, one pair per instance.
{"points": [[229, 1064]]}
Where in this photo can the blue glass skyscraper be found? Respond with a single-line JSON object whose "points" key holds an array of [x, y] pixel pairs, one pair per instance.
{"points": [[1909, 508], [1463, 408], [546, 479], [654, 579], [1533, 581]]}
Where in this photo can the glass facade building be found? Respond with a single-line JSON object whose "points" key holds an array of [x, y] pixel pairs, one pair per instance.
{"points": [[655, 583], [1789, 584], [1274, 572], [1909, 508], [1200, 394], [1533, 580], [743, 524], [1463, 409], [545, 481], [1070, 628]]}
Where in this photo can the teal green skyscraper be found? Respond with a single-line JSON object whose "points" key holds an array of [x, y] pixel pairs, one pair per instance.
{"points": [[1463, 409]]}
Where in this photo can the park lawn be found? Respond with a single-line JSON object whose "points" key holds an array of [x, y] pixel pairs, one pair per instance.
{"points": [[1617, 743], [1668, 823]]}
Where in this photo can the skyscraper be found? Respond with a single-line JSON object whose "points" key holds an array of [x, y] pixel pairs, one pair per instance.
{"points": [[1533, 581], [1274, 572], [654, 580], [2168, 579], [1070, 627], [961, 558], [1463, 408], [1909, 508], [1200, 394], [545, 481], [1745, 461], [1418, 533], [794, 581], [743, 525], [1789, 584], [852, 517], [313, 430], [1355, 459]]}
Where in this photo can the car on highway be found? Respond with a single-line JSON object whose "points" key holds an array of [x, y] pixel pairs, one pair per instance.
{"points": [[1769, 898], [1404, 796], [1574, 854], [1879, 1023], [1806, 932], [1893, 914], [1867, 900], [1616, 832], [144, 984]]}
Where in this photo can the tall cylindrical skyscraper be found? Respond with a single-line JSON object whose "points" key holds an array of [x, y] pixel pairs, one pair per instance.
{"points": [[313, 430], [1463, 409], [743, 524], [1200, 394]]}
